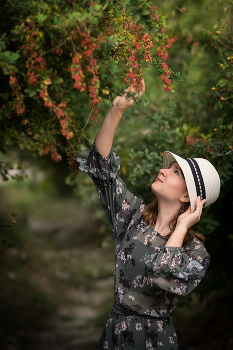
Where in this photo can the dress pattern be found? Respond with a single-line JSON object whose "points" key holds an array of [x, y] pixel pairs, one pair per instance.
{"points": [[148, 277]]}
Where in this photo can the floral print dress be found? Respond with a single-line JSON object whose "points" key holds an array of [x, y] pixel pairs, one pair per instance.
{"points": [[149, 277]]}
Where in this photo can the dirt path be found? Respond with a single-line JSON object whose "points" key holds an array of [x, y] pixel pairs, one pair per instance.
{"points": [[68, 269], [73, 326]]}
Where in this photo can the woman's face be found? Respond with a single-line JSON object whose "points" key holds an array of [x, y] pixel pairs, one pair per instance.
{"points": [[170, 185]]}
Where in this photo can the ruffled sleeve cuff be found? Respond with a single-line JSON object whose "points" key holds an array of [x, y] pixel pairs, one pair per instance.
{"points": [[98, 167], [172, 262]]}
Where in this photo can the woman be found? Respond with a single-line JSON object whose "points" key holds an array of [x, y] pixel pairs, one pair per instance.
{"points": [[158, 257]]}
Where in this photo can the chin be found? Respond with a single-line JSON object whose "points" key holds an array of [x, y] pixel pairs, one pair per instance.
{"points": [[153, 187]]}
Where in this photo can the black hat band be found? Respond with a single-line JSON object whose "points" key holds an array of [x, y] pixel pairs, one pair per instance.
{"points": [[198, 179]]}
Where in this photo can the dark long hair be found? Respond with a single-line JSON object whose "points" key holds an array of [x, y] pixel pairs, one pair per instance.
{"points": [[151, 214]]}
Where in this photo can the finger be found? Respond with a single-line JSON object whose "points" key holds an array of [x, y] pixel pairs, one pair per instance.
{"points": [[198, 201], [198, 206], [142, 87], [202, 204], [202, 201], [131, 87]]}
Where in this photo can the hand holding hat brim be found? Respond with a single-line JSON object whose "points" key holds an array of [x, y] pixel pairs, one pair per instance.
{"points": [[188, 218]]}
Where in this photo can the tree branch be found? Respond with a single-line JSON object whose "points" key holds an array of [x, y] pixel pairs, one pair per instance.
{"points": [[223, 97], [231, 42], [73, 46], [59, 45], [230, 48], [87, 138], [222, 154]]}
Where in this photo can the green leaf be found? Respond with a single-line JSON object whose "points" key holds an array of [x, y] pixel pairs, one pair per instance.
{"points": [[137, 17], [145, 13], [112, 66], [2, 43], [15, 31], [33, 93], [3, 36], [41, 18], [9, 57], [58, 80], [4, 177]]}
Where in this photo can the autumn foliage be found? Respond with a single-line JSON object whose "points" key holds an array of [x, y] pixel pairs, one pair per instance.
{"points": [[58, 53]]}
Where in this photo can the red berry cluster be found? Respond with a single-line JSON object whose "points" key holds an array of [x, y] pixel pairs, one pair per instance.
{"points": [[134, 74], [34, 61], [95, 82], [53, 150], [131, 50], [58, 51], [72, 159], [162, 51], [18, 103], [94, 113], [194, 43], [77, 73], [58, 110], [147, 45], [154, 14], [45, 150], [34, 64], [85, 59], [55, 156]]}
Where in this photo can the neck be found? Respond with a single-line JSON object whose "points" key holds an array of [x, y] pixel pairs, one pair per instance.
{"points": [[166, 213]]}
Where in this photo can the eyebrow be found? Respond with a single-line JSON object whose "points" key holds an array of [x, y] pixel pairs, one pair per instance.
{"points": [[177, 167]]}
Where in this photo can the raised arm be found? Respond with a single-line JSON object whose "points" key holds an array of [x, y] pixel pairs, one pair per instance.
{"points": [[106, 133]]}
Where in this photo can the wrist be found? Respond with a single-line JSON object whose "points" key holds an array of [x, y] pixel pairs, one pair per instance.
{"points": [[116, 110], [177, 237], [180, 229]]}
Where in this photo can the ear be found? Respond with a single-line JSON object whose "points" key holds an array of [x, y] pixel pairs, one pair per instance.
{"points": [[185, 198]]}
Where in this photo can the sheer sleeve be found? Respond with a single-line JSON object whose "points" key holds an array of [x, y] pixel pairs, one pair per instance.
{"points": [[177, 270], [119, 204]]}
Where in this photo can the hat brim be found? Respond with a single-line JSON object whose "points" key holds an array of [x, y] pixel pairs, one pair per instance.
{"points": [[168, 158]]}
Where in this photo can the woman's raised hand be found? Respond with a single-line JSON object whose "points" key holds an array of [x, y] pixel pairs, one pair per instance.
{"points": [[123, 102], [106, 133], [188, 219]]}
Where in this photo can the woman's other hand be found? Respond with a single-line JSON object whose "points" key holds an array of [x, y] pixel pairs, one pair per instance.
{"points": [[188, 218], [184, 222], [123, 102]]}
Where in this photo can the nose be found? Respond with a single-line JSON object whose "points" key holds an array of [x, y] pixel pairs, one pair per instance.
{"points": [[162, 171]]}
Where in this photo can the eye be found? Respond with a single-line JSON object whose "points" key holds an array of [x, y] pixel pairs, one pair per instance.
{"points": [[175, 171]]}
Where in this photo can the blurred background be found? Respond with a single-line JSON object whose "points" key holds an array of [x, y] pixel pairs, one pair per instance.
{"points": [[56, 287]]}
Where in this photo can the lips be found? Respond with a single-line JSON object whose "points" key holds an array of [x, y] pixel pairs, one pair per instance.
{"points": [[158, 180]]}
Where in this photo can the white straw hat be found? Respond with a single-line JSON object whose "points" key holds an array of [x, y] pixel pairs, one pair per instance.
{"points": [[200, 176]]}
